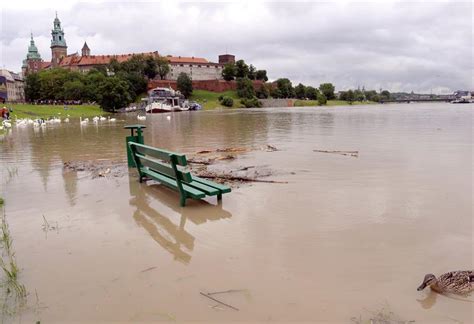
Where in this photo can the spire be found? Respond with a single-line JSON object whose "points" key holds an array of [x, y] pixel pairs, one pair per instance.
{"points": [[57, 34], [86, 50], [33, 50]]}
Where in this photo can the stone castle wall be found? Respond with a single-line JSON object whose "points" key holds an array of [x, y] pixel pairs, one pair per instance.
{"points": [[196, 71]]}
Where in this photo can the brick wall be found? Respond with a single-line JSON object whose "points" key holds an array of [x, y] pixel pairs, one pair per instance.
{"points": [[209, 85]]}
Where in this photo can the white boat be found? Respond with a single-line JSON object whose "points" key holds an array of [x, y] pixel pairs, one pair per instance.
{"points": [[165, 100]]}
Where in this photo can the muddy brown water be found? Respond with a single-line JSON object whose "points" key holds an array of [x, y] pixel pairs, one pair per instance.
{"points": [[344, 238]]}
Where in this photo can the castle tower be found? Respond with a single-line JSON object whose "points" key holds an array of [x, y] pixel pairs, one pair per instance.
{"points": [[86, 50], [58, 43], [33, 60]]}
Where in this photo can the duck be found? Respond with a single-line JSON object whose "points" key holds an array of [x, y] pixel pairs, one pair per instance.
{"points": [[83, 122], [141, 117], [456, 282], [102, 118], [112, 119]]}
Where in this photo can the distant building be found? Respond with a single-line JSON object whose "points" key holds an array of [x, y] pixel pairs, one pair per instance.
{"points": [[12, 88], [196, 67]]}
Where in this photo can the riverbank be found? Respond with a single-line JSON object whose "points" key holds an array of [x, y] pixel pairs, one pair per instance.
{"points": [[47, 111], [210, 100], [310, 103]]}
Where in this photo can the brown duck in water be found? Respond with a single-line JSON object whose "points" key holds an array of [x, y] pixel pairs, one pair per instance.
{"points": [[456, 282]]}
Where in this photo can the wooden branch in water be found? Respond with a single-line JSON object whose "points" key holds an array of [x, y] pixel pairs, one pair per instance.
{"points": [[233, 178], [350, 153], [226, 291], [218, 301]]}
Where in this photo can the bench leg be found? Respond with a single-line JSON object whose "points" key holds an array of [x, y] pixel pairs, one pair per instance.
{"points": [[219, 197], [182, 201]]}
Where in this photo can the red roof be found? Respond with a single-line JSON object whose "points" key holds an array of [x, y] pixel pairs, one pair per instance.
{"points": [[76, 60], [185, 59]]}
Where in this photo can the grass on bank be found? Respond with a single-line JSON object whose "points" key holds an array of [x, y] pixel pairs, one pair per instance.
{"points": [[311, 103], [46, 111], [210, 100]]}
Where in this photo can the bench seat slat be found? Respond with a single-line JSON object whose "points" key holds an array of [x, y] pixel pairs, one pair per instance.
{"points": [[221, 188], [159, 154], [163, 168], [210, 191], [170, 182]]}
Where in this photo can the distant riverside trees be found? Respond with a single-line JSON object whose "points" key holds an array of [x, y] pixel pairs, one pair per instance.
{"points": [[364, 95], [240, 69], [327, 89], [112, 87]]}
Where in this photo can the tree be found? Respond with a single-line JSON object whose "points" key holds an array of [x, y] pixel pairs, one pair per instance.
{"points": [[300, 91], [228, 72], [184, 84], [311, 93], [151, 67], [162, 66], [385, 95], [251, 102], [252, 72], [114, 65], [74, 90], [275, 93], [92, 80], [241, 69], [114, 94], [328, 90], [226, 101], [359, 95], [261, 75], [263, 92], [32, 87], [371, 95], [285, 87], [245, 88], [321, 99], [350, 96]]}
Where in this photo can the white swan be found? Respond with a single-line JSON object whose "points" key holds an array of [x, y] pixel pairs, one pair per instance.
{"points": [[141, 117]]}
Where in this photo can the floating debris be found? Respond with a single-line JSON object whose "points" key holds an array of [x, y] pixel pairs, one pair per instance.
{"points": [[218, 301], [347, 153]]}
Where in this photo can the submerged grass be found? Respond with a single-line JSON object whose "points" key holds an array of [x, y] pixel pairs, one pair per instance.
{"points": [[46, 111], [14, 293]]}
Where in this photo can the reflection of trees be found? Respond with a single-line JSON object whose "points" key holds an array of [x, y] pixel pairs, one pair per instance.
{"points": [[70, 186], [190, 130], [172, 237], [56, 144]]}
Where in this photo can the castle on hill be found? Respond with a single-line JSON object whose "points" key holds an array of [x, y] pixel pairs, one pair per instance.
{"points": [[196, 67]]}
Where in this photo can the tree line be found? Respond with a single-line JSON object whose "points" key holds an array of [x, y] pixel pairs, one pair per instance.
{"points": [[113, 86]]}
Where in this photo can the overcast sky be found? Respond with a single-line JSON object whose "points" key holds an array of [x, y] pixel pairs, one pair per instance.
{"points": [[399, 46]]}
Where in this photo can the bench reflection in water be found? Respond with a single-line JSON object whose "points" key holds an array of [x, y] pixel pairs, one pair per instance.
{"points": [[170, 236]]}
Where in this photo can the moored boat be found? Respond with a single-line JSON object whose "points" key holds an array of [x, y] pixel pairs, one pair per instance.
{"points": [[165, 100]]}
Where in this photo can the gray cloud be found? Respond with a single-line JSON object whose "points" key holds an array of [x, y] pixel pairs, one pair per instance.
{"points": [[397, 46]]}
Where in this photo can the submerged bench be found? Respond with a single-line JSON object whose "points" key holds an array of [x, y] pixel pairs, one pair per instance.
{"points": [[166, 168]]}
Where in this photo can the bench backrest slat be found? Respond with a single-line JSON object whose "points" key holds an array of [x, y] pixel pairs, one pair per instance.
{"points": [[159, 154], [163, 168]]}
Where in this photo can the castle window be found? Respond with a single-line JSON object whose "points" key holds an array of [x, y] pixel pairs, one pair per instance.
{"points": [[181, 65], [190, 65], [208, 66], [59, 37]]}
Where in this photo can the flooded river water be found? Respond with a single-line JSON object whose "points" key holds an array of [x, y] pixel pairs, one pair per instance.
{"points": [[346, 239]]}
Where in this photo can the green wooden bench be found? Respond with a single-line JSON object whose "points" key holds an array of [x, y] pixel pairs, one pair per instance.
{"points": [[166, 168]]}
